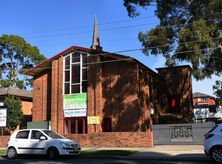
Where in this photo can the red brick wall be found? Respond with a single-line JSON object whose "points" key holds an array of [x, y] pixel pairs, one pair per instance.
{"points": [[147, 97], [4, 140], [129, 91], [179, 83], [114, 139], [41, 97], [120, 96], [94, 92], [57, 113], [116, 91]]}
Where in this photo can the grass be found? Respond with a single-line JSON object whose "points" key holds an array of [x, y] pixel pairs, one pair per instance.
{"points": [[106, 152], [2, 151]]}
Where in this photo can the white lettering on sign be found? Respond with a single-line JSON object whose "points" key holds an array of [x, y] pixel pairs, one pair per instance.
{"points": [[3, 117], [75, 113]]}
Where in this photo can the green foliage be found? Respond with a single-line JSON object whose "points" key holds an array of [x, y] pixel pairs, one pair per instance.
{"points": [[2, 151], [189, 31], [16, 56], [15, 114], [217, 87]]}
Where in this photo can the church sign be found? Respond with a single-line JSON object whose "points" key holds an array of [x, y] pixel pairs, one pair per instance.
{"points": [[76, 101]]}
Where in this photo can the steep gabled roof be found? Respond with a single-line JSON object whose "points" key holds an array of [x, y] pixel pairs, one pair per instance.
{"points": [[198, 94], [47, 64]]}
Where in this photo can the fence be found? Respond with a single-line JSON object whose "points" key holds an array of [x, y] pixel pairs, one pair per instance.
{"points": [[174, 134]]}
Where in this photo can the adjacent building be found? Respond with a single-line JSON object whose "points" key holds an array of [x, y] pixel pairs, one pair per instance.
{"points": [[206, 107], [26, 99], [203, 99]]}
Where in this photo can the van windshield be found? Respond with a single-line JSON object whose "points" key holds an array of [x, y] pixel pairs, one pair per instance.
{"points": [[53, 134]]}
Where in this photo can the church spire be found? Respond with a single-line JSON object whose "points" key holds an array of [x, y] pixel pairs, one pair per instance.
{"points": [[95, 41]]}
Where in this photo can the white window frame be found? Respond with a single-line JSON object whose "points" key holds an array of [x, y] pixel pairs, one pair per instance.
{"points": [[70, 71]]}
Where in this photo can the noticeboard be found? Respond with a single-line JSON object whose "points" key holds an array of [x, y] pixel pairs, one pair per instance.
{"points": [[93, 120], [77, 101], [3, 117]]}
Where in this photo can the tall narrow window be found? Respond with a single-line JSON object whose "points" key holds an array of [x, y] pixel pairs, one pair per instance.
{"points": [[67, 62], [67, 88], [84, 86], [84, 74], [75, 88], [67, 76], [172, 104], [73, 126], [75, 82], [84, 59], [76, 57], [75, 73]]}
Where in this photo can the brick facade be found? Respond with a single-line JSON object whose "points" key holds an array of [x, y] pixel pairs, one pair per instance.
{"points": [[178, 86], [123, 92], [94, 92], [41, 97], [114, 139], [57, 96]]}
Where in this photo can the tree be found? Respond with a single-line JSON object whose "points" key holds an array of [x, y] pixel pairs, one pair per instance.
{"points": [[15, 114], [218, 90], [16, 56], [189, 31]]}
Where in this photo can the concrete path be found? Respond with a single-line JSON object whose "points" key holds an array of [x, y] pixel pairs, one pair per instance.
{"points": [[195, 152], [165, 152]]}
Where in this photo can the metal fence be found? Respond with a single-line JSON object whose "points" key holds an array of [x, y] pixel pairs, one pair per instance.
{"points": [[180, 134]]}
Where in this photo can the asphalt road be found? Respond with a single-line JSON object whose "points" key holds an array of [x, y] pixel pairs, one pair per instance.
{"points": [[77, 160]]}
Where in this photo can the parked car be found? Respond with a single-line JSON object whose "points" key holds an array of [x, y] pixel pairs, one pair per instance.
{"points": [[40, 142], [213, 143]]}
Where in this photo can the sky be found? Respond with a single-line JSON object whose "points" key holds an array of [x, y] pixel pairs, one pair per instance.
{"points": [[55, 25]]}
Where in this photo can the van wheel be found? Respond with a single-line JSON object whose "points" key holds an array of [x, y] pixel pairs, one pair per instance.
{"points": [[11, 153], [52, 153], [217, 154]]}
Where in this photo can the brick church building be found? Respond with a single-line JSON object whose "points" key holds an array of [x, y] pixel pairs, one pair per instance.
{"points": [[101, 98]]}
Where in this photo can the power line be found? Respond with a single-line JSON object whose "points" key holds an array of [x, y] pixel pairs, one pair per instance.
{"points": [[108, 23], [189, 42], [90, 26], [71, 34], [159, 46], [127, 58], [82, 42], [90, 31]]}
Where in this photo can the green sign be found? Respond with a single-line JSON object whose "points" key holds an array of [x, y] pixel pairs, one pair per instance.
{"points": [[77, 101]]}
